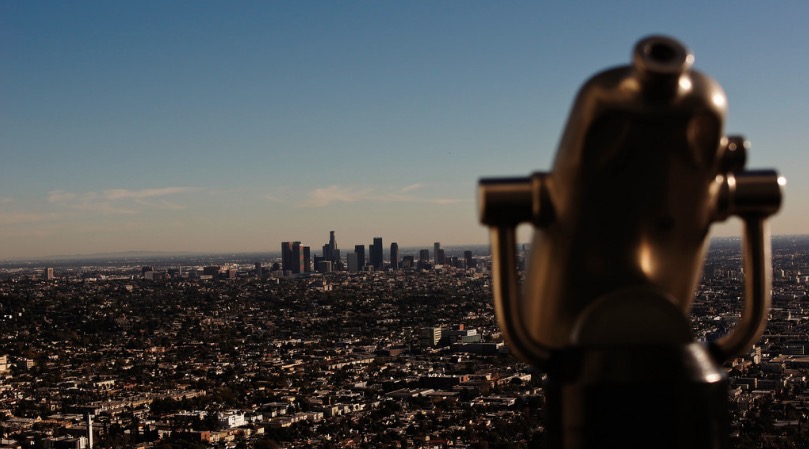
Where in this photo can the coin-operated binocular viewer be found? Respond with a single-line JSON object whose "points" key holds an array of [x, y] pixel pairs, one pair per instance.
{"points": [[620, 225]]}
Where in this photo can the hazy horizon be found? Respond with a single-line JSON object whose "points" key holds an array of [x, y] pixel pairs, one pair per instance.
{"points": [[403, 250], [316, 250], [217, 128]]}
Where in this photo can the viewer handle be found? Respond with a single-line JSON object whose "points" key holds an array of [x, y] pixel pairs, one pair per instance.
{"points": [[753, 196], [504, 203]]}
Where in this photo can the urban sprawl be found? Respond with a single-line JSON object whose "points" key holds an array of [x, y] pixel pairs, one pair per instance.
{"points": [[399, 349]]}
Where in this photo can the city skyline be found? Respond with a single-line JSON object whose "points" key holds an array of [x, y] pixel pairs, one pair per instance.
{"points": [[211, 128], [310, 361], [290, 251]]}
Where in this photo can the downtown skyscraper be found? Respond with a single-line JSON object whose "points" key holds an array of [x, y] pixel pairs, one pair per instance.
{"points": [[438, 254], [359, 250], [394, 256], [376, 254], [292, 257], [330, 251], [286, 256]]}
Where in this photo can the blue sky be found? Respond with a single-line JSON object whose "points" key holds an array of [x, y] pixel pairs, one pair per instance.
{"points": [[233, 126]]}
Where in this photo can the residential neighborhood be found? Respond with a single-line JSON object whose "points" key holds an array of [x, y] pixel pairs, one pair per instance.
{"points": [[106, 356]]}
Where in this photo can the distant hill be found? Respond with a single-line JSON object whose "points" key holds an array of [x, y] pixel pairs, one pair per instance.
{"points": [[121, 255]]}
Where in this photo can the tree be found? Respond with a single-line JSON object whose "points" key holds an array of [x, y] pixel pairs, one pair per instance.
{"points": [[266, 444]]}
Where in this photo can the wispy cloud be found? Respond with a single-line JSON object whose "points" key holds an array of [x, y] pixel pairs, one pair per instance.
{"points": [[448, 200], [14, 218], [119, 201], [60, 196], [272, 198], [124, 194], [410, 188], [335, 194]]}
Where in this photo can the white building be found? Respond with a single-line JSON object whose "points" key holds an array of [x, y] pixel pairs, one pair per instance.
{"points": [[232, 419]]}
